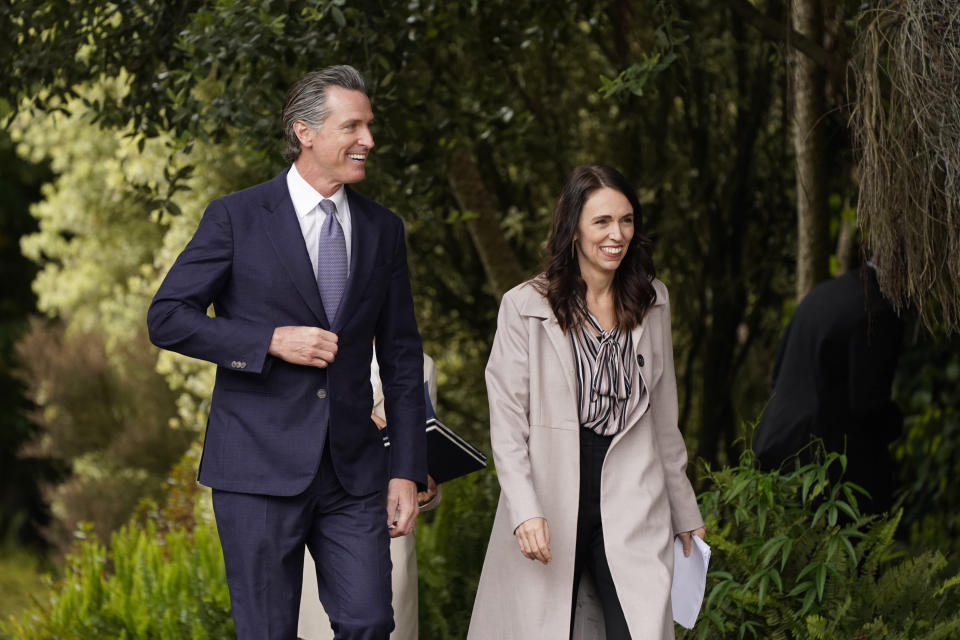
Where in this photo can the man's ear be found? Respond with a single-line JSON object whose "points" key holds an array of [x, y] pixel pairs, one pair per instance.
{"points": [[304, 133]]}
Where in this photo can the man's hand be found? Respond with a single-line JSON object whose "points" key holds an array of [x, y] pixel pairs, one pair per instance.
{"points": [[533, 536], [424, 497], [401, 506], [310, 346]]}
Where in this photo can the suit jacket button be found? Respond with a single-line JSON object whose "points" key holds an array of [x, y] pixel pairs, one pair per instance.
{"points": [[640, 359], [243, 365], [321, 393], [234, 364]]}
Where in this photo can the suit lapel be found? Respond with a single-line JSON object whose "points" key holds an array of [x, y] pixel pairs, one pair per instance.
{"points": [[283, 229], [364, 243]]}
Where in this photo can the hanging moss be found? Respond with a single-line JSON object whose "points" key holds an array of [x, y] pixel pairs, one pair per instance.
{"points": [[906, 121]]}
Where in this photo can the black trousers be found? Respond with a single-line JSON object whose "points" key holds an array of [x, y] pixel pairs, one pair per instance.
{"points": [[590, 554]]}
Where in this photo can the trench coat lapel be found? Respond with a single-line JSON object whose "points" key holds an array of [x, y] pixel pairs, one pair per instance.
{"points": [[561, 343], [644, 352], [538, 307], [283, 229]]}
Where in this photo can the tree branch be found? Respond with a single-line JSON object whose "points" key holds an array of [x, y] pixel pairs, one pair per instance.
{"points": [[777, 31]]}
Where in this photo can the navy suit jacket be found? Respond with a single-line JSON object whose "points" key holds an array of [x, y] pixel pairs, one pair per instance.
{"points": [[269, 419]]}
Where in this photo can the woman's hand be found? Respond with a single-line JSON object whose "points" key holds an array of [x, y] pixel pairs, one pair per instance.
{"points": [[533, 536], [686, 540]]}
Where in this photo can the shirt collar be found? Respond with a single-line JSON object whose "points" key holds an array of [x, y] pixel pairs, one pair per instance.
{"points": [[306, 198]]}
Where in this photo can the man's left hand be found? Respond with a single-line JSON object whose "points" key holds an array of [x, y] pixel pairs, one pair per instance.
{"points": [[401, 506]]}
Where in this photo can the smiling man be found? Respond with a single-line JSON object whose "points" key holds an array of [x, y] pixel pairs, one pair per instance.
{"points": [[303, 273]]}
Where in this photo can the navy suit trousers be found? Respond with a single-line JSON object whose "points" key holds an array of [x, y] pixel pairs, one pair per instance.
{"points": [[263, 539]]}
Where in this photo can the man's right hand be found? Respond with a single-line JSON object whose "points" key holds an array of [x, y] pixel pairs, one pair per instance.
{"points": [[310, 346]]}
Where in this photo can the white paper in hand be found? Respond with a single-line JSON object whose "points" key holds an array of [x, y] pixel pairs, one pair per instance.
{"points": [[689, 581]]}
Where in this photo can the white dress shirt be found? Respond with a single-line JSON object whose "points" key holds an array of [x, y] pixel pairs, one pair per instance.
{"points": [[306, 202]]}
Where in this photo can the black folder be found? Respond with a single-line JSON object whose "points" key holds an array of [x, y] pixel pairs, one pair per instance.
{"points": [[448, 455]]}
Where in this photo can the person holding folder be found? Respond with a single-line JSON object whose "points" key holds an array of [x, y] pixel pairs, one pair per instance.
{"points": [[314, 623], [583, 425]]}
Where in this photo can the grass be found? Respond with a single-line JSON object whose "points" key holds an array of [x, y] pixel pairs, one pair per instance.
{"points": [[21, 576]]}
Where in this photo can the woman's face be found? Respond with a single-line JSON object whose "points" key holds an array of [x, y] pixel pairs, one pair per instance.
{"points": [[604, 231]]}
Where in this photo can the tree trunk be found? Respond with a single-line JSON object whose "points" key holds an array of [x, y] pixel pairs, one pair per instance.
{"points": [[474, 197], [813, 241]]}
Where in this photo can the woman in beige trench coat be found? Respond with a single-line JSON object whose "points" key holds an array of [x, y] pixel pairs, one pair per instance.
{"points": [[532, 383]]}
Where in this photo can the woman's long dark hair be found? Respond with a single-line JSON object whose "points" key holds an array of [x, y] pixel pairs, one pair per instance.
{"points": [[561, 282]]}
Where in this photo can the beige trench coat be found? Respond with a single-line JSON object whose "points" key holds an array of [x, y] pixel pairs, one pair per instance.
{"points": [[646, 497]]}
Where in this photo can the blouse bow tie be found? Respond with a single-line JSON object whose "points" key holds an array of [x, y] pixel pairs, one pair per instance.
{"points": [[609, 377]]}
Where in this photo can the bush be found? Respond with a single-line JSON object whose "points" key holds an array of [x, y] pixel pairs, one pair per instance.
{"points": [[21, 573], [451, 544], [110, 426], [162, 576], [147, 585], [928, 391], [793, 558]]}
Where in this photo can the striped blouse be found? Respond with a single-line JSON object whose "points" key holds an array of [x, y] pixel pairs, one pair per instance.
{"points": [[606, 375]]}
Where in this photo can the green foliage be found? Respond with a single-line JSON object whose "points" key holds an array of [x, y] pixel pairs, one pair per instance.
{"points": [[103, 409], [451, 544], [147, 585], [794, 558], [927, 388], [706, 145], [109, 426], [20, 576]]}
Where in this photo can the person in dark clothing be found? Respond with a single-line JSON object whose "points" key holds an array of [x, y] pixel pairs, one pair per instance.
{"points": [[831, 381]]}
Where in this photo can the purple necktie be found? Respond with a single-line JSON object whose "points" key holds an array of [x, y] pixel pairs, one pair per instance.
{"points": [[331, 261]]}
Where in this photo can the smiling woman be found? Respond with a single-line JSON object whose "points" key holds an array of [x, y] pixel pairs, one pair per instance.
{"points": [[604, 232], [581, 378], [596, 251]]}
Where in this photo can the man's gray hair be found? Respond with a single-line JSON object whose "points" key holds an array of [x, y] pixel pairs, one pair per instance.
{"points": [[307, 101]]}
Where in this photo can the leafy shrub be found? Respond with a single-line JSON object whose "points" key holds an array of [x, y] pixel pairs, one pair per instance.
{"points": [[21, 573], [927, 388], [109, 426], [451, 543], [793, 558], [147, 585], [162, 576]]}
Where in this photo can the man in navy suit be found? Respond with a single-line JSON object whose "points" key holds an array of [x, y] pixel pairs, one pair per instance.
{"points": [[303, 273]]}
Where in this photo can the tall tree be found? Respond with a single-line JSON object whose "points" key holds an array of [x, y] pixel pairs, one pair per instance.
{"points": [[808, 101]]}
